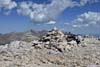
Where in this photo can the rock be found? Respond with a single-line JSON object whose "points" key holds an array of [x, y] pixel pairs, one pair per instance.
{"points": [[99, 38], [73, 43], [51, 50], [59, 40], [84, 44]]}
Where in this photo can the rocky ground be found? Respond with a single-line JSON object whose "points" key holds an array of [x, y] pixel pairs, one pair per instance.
{"points": [[52, 50]]}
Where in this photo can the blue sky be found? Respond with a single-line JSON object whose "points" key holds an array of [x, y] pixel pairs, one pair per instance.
{"points": [[76, 16]]}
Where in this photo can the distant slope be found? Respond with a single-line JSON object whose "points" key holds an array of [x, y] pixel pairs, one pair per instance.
{"points": [[25, 36]]}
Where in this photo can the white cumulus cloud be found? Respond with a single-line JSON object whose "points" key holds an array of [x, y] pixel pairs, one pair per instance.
{"points": [[86, 19], [24, 8], [7, 4], [44, 12]]}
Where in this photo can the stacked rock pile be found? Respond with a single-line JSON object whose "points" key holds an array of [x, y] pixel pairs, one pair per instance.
{"points": [[57, 40]]}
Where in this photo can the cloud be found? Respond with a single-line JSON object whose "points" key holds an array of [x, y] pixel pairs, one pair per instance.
{"points": [[24, 8], [7, 4], [67, 23], [76, 25], [86, 23], [51, 22], [87, 19], [44, 12], [83, 2]]}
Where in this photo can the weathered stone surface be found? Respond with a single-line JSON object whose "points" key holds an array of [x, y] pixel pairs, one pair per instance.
{"points": [[52, 50], [58, 40]]}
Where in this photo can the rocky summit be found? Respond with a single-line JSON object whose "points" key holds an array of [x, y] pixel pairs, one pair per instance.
{"points": [[57, 40], [55, 49]]}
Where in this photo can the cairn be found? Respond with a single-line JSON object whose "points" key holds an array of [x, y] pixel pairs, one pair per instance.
{"points": [[57, 40]]}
